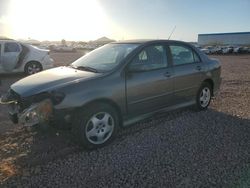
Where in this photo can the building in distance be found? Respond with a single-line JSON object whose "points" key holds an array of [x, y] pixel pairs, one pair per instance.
{"points": [[237, 38]]}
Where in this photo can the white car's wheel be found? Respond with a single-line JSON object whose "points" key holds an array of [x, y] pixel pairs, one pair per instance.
{"points": [[32, 68]]}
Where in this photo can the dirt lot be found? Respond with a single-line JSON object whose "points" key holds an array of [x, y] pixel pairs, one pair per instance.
{"points": [[177, 149]]}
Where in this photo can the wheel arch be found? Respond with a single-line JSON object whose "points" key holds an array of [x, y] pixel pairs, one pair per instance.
{"points": [[211, 83], [106, 101]]}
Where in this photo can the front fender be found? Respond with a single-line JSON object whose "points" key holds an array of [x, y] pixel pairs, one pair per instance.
{"points": [[97, 89]]}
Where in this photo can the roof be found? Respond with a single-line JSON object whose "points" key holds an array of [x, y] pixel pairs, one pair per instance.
{"points": [[6, 40], [142, 41], [235, 33]]}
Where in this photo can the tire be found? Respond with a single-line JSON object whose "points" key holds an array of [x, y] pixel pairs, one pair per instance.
{"points": [[32, 68], [203, 97], [95, 126]]}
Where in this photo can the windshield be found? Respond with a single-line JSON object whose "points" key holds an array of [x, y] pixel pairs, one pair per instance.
{"points": [[104, 58]]}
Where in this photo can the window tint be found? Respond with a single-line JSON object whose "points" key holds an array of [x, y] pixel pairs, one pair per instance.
{"points": [[11, 47], [152, 57], [183, 55]]}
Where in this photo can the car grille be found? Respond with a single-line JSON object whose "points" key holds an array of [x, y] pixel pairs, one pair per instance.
{"points": [[21, 102], [26, 102], [12, 95]]}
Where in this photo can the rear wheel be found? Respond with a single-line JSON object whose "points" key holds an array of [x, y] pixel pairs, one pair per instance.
{"points": [[96, 126], [32, 68], [204, 96]]}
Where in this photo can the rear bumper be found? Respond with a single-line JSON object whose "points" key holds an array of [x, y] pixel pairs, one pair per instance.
{"points": [[47, 63], [45, 67]]}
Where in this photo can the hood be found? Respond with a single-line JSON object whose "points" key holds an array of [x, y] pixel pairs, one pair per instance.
{"points": [[49, 79]]}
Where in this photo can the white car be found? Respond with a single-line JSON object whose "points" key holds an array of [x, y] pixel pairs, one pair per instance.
{"points": [[19, 57]]}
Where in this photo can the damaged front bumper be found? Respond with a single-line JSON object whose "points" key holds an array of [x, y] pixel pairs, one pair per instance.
{"points": [[37, 113]]}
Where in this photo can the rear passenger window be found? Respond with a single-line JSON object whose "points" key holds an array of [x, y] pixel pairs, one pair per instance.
{"points": [[11, 47], [183, 55]]}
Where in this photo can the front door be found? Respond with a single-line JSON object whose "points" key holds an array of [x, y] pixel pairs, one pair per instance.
{"points": [[10, 55], [149, 82]]}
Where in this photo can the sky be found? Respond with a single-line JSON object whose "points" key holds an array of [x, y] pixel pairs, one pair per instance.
{"points": [[121, 19]]}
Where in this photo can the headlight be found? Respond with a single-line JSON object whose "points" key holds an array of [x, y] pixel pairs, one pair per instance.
{"points": [[37, 113]]}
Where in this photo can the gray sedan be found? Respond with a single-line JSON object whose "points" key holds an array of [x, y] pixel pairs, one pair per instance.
{"points": [[114, 86]]}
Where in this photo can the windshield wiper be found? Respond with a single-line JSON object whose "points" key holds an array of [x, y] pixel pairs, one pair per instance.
{"points": [[85, 68]]}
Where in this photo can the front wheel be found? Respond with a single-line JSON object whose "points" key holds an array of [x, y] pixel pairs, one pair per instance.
{"points": [[204, 96], [96, 126]]}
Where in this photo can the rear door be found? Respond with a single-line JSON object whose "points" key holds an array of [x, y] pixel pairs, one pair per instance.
{"points": [[10, 55], [149, 84], [188, 72]]}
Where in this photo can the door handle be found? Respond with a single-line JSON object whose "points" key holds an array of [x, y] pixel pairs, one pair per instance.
{"points": [[198, 68], [167, 74]]}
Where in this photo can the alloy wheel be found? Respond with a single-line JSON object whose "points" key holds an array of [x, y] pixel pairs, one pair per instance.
{"points": [[205, 97], [99, 128], [33, 68]]}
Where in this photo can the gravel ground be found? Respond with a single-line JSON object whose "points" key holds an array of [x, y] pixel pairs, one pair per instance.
{"points": [[177, 149]]}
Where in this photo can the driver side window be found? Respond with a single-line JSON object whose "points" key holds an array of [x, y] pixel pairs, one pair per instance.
{"points": [[150, 58]]}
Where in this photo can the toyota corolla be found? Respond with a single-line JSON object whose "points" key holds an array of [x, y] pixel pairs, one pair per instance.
{"points": [[114, 86]]}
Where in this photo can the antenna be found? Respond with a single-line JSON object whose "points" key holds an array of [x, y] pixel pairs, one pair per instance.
{"points": [[172, 32]]}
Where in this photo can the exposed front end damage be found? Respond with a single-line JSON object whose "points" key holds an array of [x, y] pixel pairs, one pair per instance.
{"points": [[37, 113], [31, 111]]}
